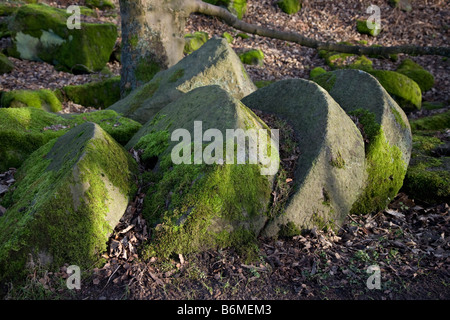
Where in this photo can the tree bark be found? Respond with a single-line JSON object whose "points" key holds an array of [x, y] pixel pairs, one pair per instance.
{"points": [[152, 38]]}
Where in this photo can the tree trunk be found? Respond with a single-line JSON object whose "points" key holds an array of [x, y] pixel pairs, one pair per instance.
{"points": [[152, 38]]}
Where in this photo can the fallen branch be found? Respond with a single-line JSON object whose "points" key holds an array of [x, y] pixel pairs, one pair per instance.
{"points": [[212, 10]]}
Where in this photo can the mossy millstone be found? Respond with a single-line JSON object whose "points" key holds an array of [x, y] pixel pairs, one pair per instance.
{"points": [[43, 99], [405, 91], [40, 32], [386, 130], [101, 94], [330, 171], [416, 72], [69, 196], [215, 63], [24, 130], [197, 206]]}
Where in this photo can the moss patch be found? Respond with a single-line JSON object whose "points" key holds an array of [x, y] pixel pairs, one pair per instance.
{"points": [[384, 165], [405, 91], [194, 41], [338, 60], [262, 83], [361, 26], [252, 57], [5, 64], [289, 6], [236, 7], [101, 4], [146, 70], [99, 95], [428, 175], [176, 75], [40, 99], [338, 161], [326, 80], [189, 204], [228, 36], [24, 130], [435, 122], [316, 72], [412, 70], [122, 129]]}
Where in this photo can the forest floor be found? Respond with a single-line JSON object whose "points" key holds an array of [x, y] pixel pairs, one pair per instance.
{"points": [[408, 243]]}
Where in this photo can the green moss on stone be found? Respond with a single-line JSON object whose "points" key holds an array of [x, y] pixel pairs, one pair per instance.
{"points": [[385, 167], [122, 129], [40, 99], [326, 80], [7, 9], [243, 35], [289, 230], [428, 175], [99, 94], [21, 133], [228, 36], [425, 142], [289, 6], [176, 75], [435, 122], [146, 70], [100, 4], [252, 57], [398, 118], [134, 40], [427, 105], [153, 144], [262, 83], [338, 161], [144, 93], [236, 7], [24, 130], [5, 64], [189, 199], [322, 223], [428, 179], [339, 60], [194, 41], [361, 26], [404, 90], [412, 70], [316, 72]]}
